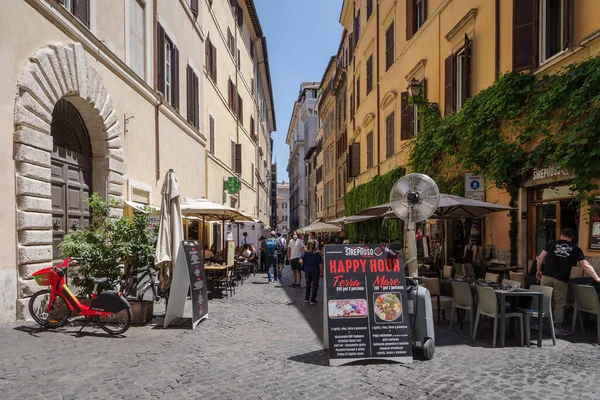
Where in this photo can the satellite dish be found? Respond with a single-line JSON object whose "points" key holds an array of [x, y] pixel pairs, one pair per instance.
{"points": [[414, 198]]}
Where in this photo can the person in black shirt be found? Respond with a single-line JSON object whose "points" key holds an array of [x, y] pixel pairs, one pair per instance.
{"points": [[558, 257]]}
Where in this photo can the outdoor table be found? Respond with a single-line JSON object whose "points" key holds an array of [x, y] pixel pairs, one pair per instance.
{"points": [[216, 271], [501, 270], [502, 294]]}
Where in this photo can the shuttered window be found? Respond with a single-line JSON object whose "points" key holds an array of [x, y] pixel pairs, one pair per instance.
{"points": [[389, 46], [356, 27], [352, 107], [407, 117], [168, 68], [354, 164], [449, 83], [357, 91], [194, 7], [193, 106], [369, 74], [211, 134], [232, 97], [233, 155], [240, 16], [525, 34], [389, 135], [457, 78], [211, 60], [370, 150], [238, 158], [79, 8], [252, 133], [369, 8], [416, 14], [230, 42], [240, 109]]}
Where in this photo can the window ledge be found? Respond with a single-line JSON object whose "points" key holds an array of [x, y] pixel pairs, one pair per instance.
{"points": [[554, 60]]}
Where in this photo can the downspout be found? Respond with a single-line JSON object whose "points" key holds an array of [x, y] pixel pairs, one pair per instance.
{"points": [[237, 121], [378, 90], [497, 40], [160, 97]]}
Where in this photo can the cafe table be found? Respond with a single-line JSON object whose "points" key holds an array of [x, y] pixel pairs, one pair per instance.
{"points": [[501, 294]]}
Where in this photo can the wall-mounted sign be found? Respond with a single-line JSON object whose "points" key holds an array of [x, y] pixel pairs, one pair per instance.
{"points": [[549, 174], [232, 185], [474, 187], [594, 234]]}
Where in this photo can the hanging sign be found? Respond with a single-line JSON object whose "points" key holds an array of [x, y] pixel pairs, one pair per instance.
{"points": [[232, 185], [366, 313], [594, 234]]}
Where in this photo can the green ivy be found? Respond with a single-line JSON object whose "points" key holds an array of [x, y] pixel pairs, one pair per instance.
{"points": [[370, 194], [517, 124]]}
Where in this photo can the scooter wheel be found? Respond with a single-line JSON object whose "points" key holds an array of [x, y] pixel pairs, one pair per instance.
{"points": [[429, 348]]}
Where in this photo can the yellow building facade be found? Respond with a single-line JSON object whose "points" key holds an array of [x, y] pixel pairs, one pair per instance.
{"points": [[454, 49]]}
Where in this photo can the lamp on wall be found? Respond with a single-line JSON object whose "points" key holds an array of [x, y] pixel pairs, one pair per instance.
{"points": [[414, 88], [253, 227]]}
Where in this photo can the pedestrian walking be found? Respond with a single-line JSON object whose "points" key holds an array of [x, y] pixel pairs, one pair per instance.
{"points": [[313, 270], [271, 252], [280, 251], [294, 250], [262, 244], [554, 270]]}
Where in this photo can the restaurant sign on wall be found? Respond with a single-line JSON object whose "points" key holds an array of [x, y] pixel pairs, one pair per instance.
{"points": [[594, 234], [366, 314]]}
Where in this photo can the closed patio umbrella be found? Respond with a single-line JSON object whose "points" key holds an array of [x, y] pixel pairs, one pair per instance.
{"points": [[170, 232], [319, 226]]}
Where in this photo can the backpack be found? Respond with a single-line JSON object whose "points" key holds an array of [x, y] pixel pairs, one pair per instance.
{"points": [[280, 248], [271, 246]]}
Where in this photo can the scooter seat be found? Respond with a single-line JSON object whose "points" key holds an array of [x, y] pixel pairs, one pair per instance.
{"points": [[98, 280]]}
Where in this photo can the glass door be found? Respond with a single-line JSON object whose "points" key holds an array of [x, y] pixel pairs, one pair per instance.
{"points": [[545, 224]]}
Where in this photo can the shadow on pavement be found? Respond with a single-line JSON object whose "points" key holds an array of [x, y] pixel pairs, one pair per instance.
{"points": [[318, 357], [35, 331]]}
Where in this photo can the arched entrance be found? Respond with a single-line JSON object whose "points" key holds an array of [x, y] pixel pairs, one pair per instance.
{"points": [[71, 171], [67, 144]]}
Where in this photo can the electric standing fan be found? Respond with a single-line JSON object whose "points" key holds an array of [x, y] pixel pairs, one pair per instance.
{"points": [[414, 198]]}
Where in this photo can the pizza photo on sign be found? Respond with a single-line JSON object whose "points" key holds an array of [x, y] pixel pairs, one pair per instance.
{"points": [[387, 307], [351, 308]]}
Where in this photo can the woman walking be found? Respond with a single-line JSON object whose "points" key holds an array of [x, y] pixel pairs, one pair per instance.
{"points": [[313, 270]]}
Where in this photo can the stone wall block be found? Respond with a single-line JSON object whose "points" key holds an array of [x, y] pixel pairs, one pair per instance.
{"points": [[114, 177], [115, 212], [59, 60], [34, 254], [114, 143], [107, 108], [94, 84], [57, 69], [31, 80], [117, 154], [33, 220], [33, 187], [47, 71], [35, 237], [25, 117], [114, 188], [27, 287], [109, 164], [69, 69], [100, 100], [23, 310], [35, 204], [35, 172], [110, 121], [28, 154], [29, 102], [34, 138], [81, 66], [26, 270], [114, 131]]}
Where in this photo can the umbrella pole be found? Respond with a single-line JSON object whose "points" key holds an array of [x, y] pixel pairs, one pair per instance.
{"points": [[223, 236], [202, 238]]}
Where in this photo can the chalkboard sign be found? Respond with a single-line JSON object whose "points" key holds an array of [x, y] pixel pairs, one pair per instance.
{"points": [[366, 304], [195, 263]]}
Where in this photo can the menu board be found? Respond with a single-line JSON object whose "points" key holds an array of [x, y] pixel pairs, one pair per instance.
{"points": [[594, 233], [195, 264], [366, 304]]}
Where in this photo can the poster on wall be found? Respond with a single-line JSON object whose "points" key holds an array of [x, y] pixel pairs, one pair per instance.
{"points": [[594, 235], [365, 312]]}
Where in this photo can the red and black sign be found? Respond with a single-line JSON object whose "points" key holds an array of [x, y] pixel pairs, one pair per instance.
{"points": [[594, 235], [195, 263], [367, 307]]}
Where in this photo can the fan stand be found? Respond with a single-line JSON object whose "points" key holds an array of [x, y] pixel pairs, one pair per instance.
{"points": [[411, 245]]}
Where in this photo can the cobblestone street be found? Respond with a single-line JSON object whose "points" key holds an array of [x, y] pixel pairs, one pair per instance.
{"points": [[264, 342]]}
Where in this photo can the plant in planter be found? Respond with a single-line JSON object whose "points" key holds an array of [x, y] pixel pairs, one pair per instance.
{"points": [[107, 244]]}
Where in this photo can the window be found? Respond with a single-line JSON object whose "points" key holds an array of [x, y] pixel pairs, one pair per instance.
{"points": [[80, 9], [135, 49], [194, 8], [457, 76], [357, 91], [541, 30], [369, 8], [211, 134], [389, 135], [168, 68], [341, 110], [233, 155], [252, 171], [356, 27], [211, 60], [252, 133], [354, 160], [416, 14], [389, 46], [230, 42], [239, 60], [193, 105], [370, 150], [352, 107], [251, 49], [369, 74], [252, 90], [240, 109], [407, 117], [238, 159], [232, 96]]}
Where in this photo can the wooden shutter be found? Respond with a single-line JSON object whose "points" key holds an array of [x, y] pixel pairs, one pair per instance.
{"points": [[240, 16], [354, 159], [214, 62], [410, 12], [81, 10], [449, 82], [175, 76], [525, 34], [390, 120], [211, 131], [240, 109], [370, 150], [466, 70], [407, 117], [239, 60], [188, 94], [569, 24], [252, 126], [161, 57], [193, 98], [208, 56], [238, 158], [194, 7], [389, 46]]}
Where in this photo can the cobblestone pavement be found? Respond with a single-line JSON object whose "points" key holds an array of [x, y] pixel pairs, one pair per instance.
{"points": [[264, 343]]}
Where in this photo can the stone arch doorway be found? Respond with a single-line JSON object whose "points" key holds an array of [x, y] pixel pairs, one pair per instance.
{"points": [[55, 81], [71, 172]]}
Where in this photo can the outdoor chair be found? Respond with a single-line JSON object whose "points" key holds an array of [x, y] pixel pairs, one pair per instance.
{"points": [[447, 272], [469, 270], [441, 303], [488, 306], [586, 300], [546, 312], [462, 300], [576, 272], [511, 283], [517, 276], [491, 277], [458, 269]]}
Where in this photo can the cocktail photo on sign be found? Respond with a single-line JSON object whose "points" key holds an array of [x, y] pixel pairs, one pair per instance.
{"points": [[365, 315]]}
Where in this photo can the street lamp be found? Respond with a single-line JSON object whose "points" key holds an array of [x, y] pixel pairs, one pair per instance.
{"points": [[414, 88]]}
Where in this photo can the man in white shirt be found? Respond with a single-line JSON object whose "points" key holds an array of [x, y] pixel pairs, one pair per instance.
{"points": [[281, 250], [294, 251]]}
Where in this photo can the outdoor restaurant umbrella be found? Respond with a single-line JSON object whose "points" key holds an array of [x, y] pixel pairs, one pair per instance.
{"points": [[351, 219], [170, 232], [319, 226]]}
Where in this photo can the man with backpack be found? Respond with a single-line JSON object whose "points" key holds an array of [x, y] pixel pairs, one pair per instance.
{"points": [[271, 252], [280, 251]]}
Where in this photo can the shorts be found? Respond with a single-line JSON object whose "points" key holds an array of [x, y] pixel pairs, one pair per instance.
{"points": [[280, 258], [295, 263]]}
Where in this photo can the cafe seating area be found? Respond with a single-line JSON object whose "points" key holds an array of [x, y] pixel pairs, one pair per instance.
{"points": [[223, 279]]}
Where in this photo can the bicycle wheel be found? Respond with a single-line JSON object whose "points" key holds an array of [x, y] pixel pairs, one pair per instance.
{"points": [[116, 323], [38, 308], [148, 294]]}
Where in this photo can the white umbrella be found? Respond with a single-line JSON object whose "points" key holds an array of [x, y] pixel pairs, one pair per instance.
{"points": [[351, 219], [170, 233], [319, 226]]}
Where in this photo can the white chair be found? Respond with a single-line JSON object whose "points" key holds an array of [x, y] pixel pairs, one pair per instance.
{"points": [[443, 303], [462, 300], [517, 276], [586, 300], [511, 283], [488, 306], [546, 311]]}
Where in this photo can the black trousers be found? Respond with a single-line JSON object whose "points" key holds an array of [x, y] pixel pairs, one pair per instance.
{"points": [[263, 261], [312, 285]]}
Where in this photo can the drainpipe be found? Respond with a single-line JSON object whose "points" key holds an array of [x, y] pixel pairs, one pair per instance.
{"points": [[378, 90], [497, 40], [160, 98], [237, 124]]}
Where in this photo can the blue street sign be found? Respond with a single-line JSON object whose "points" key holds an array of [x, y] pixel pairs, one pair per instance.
{"points": [[475, 185]]}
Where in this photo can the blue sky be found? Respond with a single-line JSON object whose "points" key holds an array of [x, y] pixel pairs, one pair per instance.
{"points": [[301, 37]]}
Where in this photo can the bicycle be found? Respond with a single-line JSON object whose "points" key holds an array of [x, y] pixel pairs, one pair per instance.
{"points": [[52, 308], [149, 290]]}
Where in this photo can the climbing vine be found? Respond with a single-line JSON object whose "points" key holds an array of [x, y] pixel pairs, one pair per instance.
{"points": [[369, 194], [519, 123]]}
